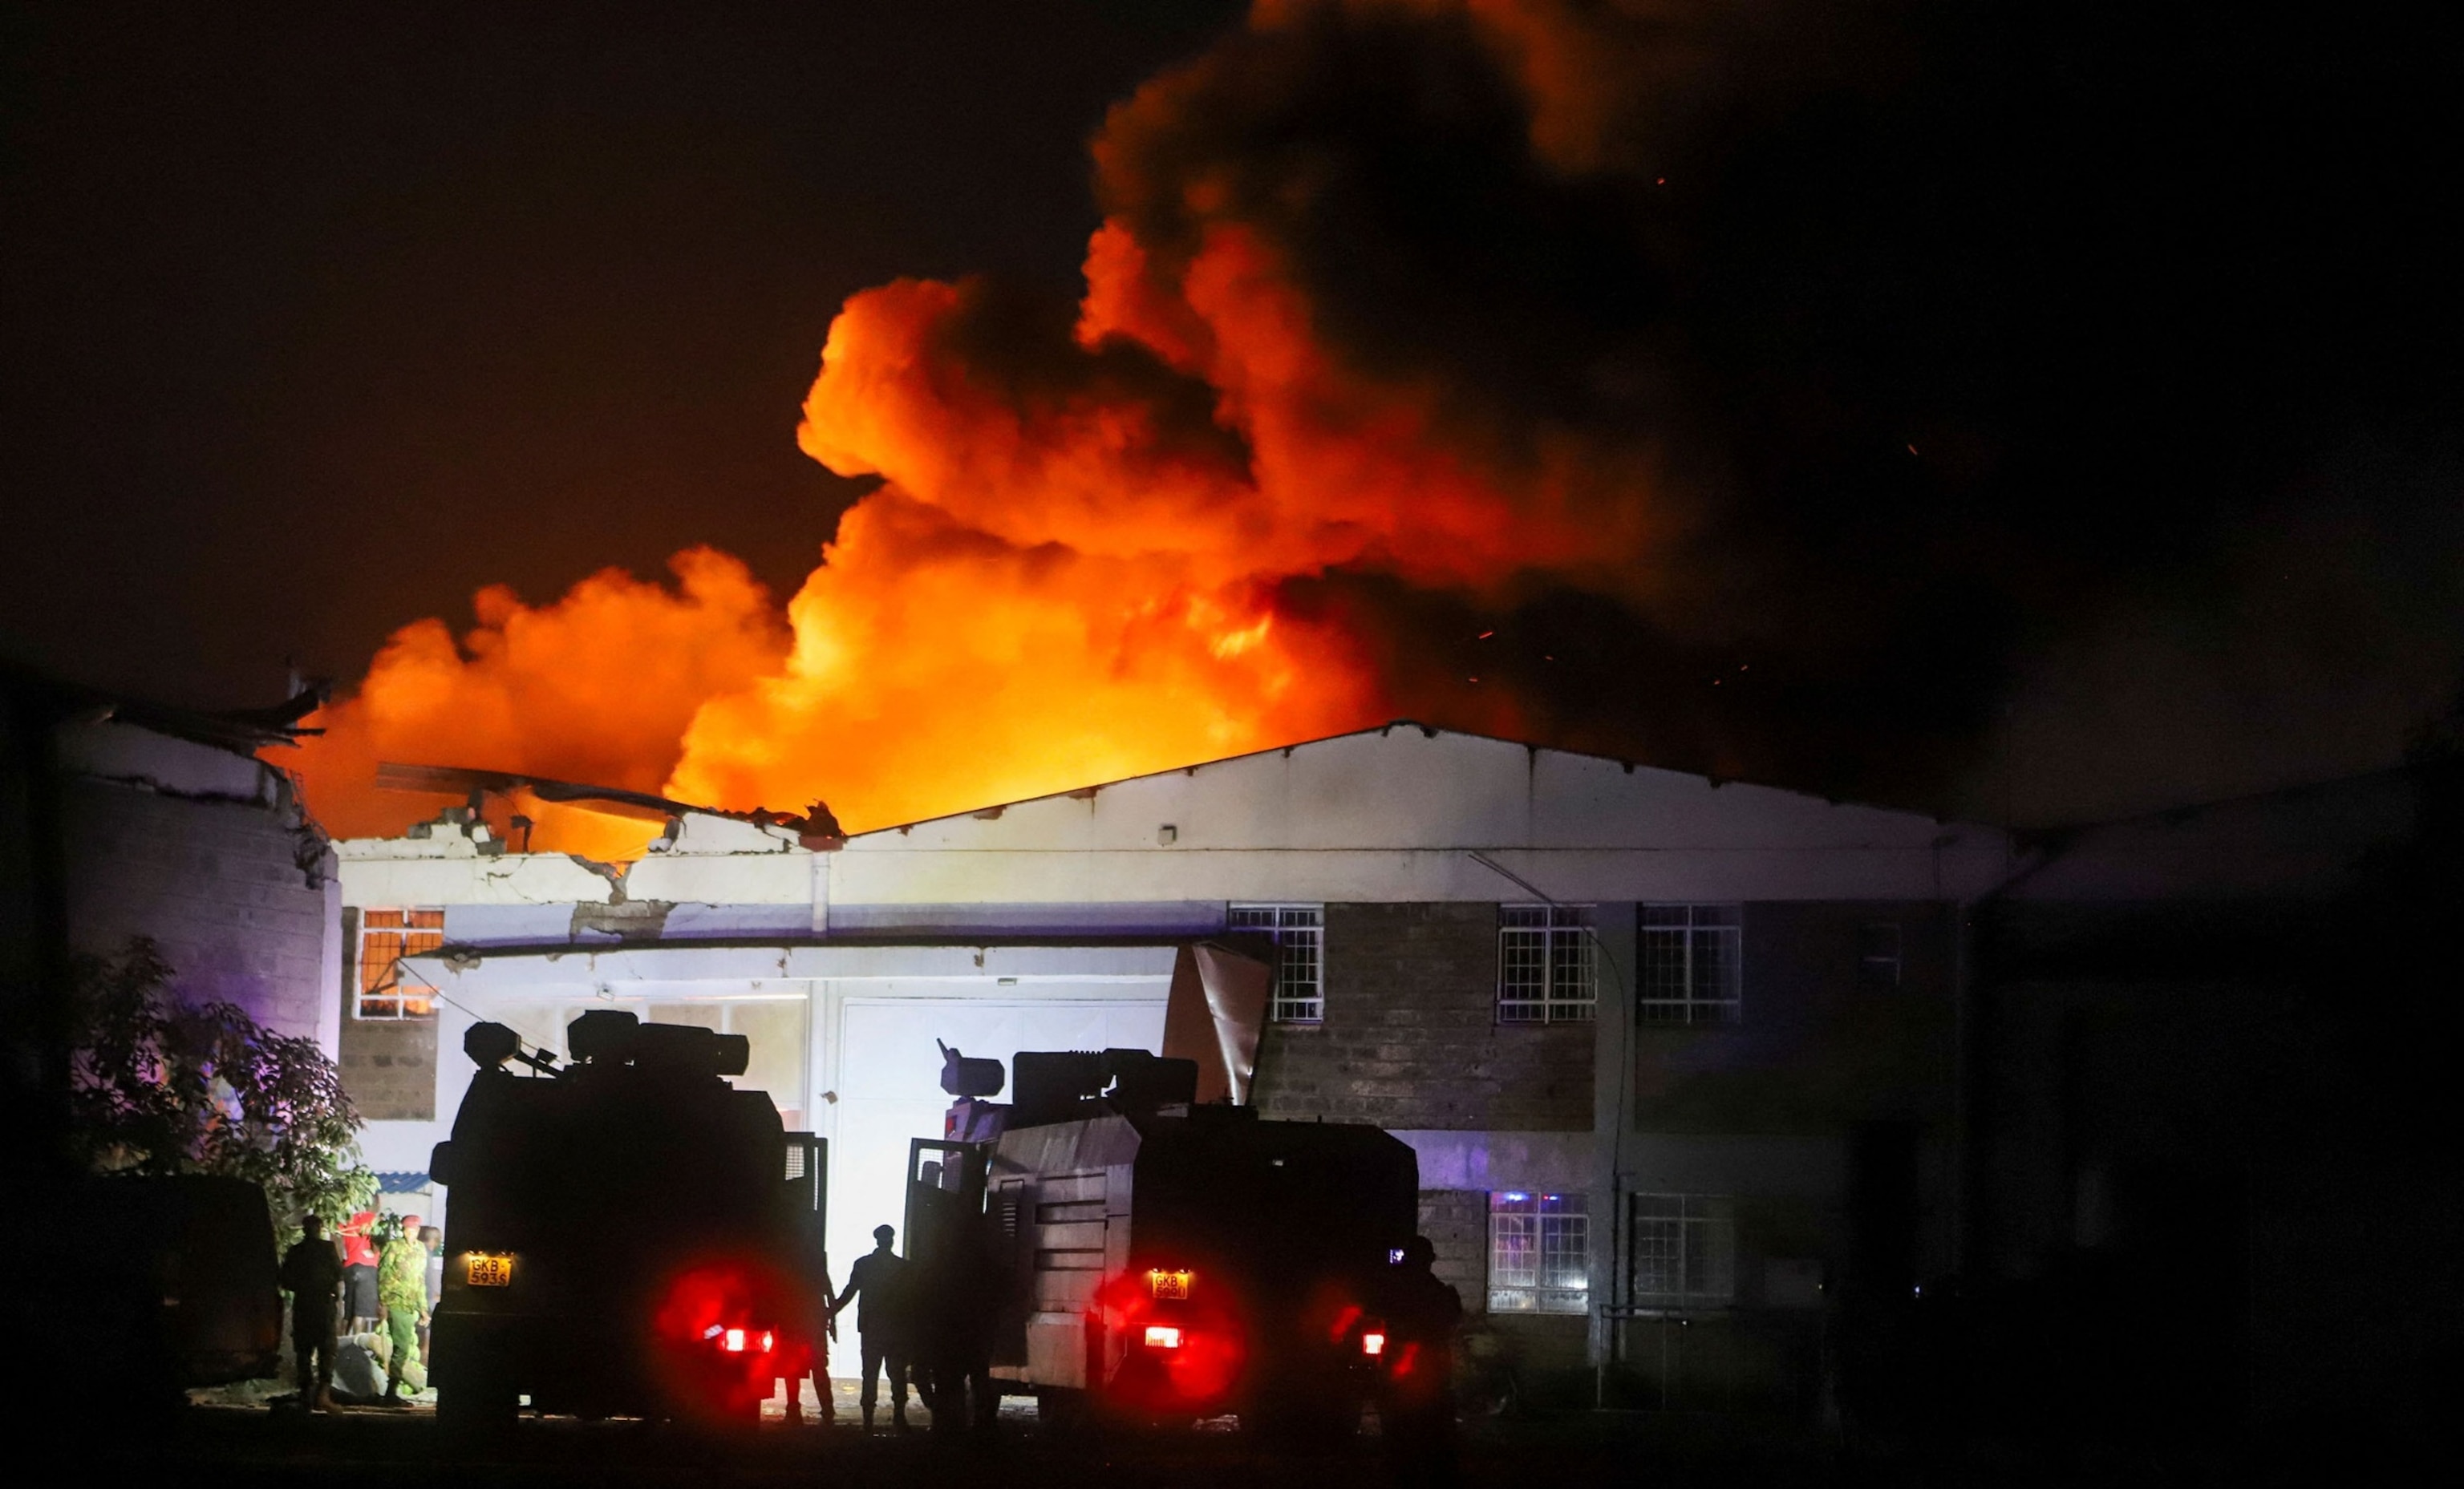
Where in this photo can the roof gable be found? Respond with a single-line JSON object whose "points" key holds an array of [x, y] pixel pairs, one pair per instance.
{"points": [[1408, 786]]}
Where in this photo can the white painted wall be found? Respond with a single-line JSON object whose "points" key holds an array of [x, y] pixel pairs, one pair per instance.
{"points": [[1394, 815], [1391, 814]]}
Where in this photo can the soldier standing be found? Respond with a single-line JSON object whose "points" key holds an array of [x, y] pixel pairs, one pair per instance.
{"points": [[401, 1292], [957, 1309], [883, 1323], [814, 1356], [1417, 1409], [313, 1271]]}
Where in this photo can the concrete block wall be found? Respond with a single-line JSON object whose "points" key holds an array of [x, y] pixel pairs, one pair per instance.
{"points": [[219, 884], [388, 1065], [1411, 1038], [1455, 1221]]}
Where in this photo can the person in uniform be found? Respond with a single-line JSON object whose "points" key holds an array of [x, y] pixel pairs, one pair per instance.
{"points": [[312, 1269], [883, 1326], [401, 1292], [431, 1240], [1416, 1407], [958, 1309], [820, 1328]]}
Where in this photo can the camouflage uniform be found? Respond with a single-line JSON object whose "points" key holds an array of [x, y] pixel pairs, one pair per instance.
{"points": [[401, 1292]]}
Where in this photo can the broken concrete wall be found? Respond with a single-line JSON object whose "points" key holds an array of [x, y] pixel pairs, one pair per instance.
{"points": [[209, 853]]}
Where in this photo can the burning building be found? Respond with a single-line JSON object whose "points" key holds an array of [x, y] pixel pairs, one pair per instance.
{"points": [[1641, 1028], [1414, 340], [1723, 1096]]}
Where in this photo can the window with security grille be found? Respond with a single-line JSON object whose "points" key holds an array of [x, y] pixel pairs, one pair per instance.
{"points": [[1692, 964], [1539, 1252], [1683, 1251], [386, 937], [1545, 964], [1299, 934]]}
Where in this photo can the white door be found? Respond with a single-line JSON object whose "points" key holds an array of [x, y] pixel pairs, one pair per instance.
{"points": [[889, 1085]]}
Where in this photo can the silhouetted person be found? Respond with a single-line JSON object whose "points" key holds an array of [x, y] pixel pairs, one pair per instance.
{"points": [[885, 1323], [431, 1240], [401, 1292], [312, 1269], [1417, 1409], [956, 1310], [359, 1271], [819, 1329]]}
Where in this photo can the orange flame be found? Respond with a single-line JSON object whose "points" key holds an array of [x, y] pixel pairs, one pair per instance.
{"points": [[1073, 571]]}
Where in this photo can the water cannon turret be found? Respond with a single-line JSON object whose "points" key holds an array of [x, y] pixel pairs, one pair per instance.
{"points": [[1058, 1086], [491, 1045], [975, 1077], [602, 1036], [612, 1036]]}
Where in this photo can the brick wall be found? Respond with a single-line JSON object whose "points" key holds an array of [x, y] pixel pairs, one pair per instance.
{"points": [[1411, 1038], [388, 1065], [219, 884]]}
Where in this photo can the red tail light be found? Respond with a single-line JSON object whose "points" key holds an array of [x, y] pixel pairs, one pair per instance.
{"points": [[1162, 1336], [1373, 1343], [1343, 1321], [733, 1341]]}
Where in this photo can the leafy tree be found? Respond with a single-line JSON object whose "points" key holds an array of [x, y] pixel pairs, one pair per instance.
{"points": [[159, 1086]]}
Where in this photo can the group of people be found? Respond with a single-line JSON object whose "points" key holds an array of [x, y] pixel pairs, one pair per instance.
{"points": [[935, 1321], [385, 1278], [931, 1321], [931, 1324]]}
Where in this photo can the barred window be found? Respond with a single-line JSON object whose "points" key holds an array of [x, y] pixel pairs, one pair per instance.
{"points": [[1299, 934], [1683, 1251], [1545, 964], [1691, 964], [1539, 1254], [386, 937]]}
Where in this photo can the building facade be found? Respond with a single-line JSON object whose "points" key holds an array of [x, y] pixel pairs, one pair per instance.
{"points": [[1675, 1056]]}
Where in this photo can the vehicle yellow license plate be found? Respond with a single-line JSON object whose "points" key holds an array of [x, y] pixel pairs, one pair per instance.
{"points": [[488, 1271]]}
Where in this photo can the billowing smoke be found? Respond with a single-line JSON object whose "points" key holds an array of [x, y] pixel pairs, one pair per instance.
{"points": [[1730, 385]]}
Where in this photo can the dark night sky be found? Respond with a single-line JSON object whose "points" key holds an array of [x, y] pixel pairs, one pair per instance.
{"points": [[316, 323]]}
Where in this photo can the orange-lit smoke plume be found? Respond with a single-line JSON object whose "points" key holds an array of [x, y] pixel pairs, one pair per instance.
{"points": [[1071, 573]]}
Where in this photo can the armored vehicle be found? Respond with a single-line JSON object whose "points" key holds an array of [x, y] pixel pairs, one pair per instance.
{"points": [[1167, 1259], [630, 1234]]}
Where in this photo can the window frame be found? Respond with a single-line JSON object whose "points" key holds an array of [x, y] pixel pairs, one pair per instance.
{"points": [[1710, 940], [1521, 1227], [1700, 1241], [1564, 954], [382, 997], [1290, 933]]}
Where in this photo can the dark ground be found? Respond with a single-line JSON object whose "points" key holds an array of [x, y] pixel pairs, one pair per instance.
{"points": [[254, 1446], [282, 1447]]}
